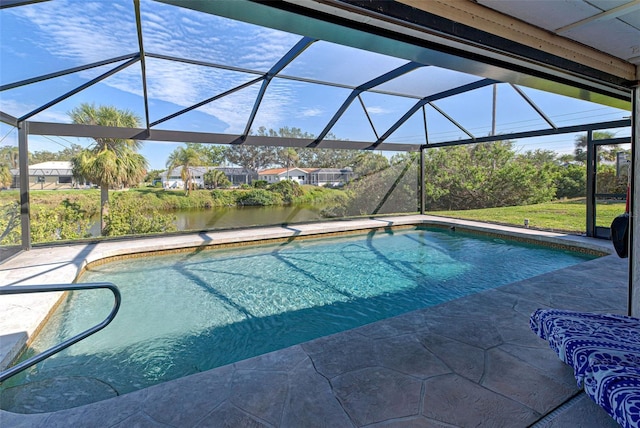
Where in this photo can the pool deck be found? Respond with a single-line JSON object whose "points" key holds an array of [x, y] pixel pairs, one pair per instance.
{"points": [[470, 362]]}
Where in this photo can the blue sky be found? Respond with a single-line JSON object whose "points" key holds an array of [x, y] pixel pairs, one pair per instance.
{"points": [[52, 36]]}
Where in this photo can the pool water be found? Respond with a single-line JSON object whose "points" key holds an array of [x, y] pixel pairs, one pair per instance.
{"points": [[191, 312]]}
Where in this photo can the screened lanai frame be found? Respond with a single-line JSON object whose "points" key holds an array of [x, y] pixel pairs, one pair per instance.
{"points": [[317, 29]]}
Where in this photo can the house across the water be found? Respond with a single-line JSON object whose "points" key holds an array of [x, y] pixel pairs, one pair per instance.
{"points": [[47, 176], [315, 176], [237, 176]]}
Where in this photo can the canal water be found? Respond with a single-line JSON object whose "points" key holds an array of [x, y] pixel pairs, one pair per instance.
{"points": [[232, 217]]}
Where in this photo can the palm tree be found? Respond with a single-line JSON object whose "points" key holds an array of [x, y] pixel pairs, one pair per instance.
{"points": [[216, 178], [185, 157], [6, 178], [603, 154], [290, 157], [8, 161], [110, 162], [9, 156]]}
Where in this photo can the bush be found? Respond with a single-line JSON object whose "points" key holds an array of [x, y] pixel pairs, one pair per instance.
{"points": [[64, 222], [260, 184], [222, 198], [10, 223], [259, 197], [571, 181], [288, 189], [126, 218]]}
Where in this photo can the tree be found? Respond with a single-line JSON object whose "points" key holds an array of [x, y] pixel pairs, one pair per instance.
{"points": [[111, 162], [8, 161], [581, 146], [366, 163], [9, 156], [487, 175], [6, 178], [253, 158], [287, 157], [327, 158], [186, 158], [215, 178], [65, 154], [210, 154], [566, 158], [571, 181], [152, 175]]}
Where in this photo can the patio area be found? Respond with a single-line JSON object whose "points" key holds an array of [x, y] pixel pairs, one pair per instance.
{"points": [[470, 362]]}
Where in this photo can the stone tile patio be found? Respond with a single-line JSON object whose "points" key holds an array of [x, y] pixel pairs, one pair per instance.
{"points": [[469, 362]]}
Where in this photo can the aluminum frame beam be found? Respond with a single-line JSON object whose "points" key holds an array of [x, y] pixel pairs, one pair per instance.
{"points": [[79, 89], [540, 133], [93, 131], [23, 161], [293, 53], [66, 72], [399, 71], [143, 67], [426, 100], [634, 209]]}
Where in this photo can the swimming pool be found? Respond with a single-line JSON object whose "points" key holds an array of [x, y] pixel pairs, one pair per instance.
{"points": [[190, 312]]}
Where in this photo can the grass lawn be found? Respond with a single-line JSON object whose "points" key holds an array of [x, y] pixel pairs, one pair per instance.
{"points": [[560, 216]]}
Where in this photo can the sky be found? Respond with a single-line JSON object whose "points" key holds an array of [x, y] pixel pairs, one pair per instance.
{"points": [[47, 37]]}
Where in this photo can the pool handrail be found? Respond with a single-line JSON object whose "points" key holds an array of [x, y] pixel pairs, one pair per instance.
{"points": [[20, 289]]}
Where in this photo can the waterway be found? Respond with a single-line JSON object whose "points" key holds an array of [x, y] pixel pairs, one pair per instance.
{"points": [[232, 217]]}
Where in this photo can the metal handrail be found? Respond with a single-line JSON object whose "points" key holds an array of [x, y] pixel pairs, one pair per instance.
{"points": [[4, 375]]}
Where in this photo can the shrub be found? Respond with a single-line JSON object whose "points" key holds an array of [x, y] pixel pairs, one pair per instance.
{"points": [[126, 218], [223, 198], [288, 189], [10, 223], [260, 184], [64, 222], [259, 197]]}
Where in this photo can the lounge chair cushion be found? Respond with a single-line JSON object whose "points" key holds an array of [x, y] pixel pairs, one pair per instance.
{"points": [[615, 388], [574, 336], [604, 351]]}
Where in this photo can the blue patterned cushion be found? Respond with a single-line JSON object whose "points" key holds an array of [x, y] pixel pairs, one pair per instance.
{"points": [[604, 351], [615, 388], [574, 336]]}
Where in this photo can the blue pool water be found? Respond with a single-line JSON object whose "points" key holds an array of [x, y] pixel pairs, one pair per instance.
{"points": [[190, 312]]}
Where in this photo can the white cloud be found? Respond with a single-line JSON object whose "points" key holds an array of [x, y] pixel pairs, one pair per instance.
{"points": [[79, 33], [378, 110], [311, 112]]}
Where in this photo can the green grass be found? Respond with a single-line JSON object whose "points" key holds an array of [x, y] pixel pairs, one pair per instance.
{"points": [[560, 216]]}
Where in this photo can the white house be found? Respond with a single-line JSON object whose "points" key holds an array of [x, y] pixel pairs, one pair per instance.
{"points": [[237, 176], [315, 176], [333, 177], [173, 179], [47, 176], [273, 175]]}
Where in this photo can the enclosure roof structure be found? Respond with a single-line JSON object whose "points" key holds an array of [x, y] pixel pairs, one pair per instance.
{"points": [[397, 75]]}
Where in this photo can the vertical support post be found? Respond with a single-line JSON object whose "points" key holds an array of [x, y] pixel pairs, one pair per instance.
{"points": [[493, 112], [23, 161], [422, 184], [634, 207], [591, 185]]}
